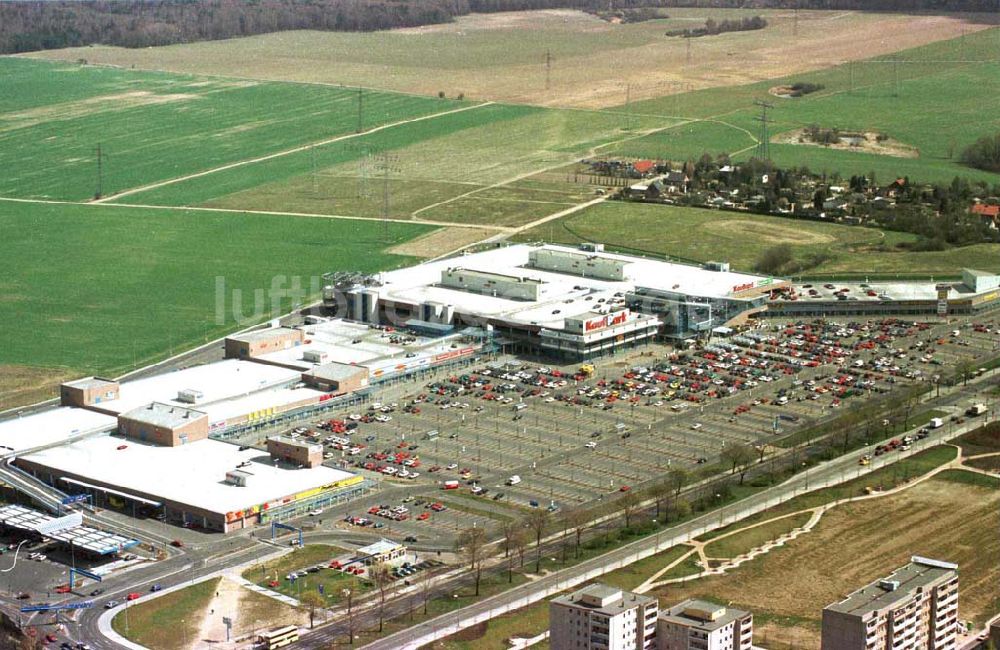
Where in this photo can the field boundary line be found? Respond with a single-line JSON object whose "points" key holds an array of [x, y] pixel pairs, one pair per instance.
{"points": [[570, 159], [286, 152], [266, 213]]}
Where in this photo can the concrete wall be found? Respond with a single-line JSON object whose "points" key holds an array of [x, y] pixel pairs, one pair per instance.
{"points": [[489, 284], [262, 342], [188, 432], [581, 264], [106, 391], [842, 631], [349, 383], [301, 453]]}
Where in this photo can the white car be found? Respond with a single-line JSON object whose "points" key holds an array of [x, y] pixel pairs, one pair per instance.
{"points": [[413, 475], [591, 445], [696, 426], [452, 466], [314, 513]]}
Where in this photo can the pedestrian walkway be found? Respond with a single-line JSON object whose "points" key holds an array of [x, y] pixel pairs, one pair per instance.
{"points": [[235, 576], [816, 513]]}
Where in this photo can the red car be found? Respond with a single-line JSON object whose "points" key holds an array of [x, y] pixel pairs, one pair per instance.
{"points": [[62, 589], [133, 596], [624, 488], [424, 516]]}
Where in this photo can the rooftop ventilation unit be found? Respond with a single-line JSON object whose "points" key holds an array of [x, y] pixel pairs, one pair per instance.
{"points": [[189, 396]]}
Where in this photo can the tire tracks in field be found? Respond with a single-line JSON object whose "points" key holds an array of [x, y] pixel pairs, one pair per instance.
{"points": [[263, 213], [286, 152]]}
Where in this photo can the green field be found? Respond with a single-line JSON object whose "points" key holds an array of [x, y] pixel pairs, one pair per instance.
{"points": [[168, 622], [744, 541], [698, 235], [155, 126], [331, 581], [468, 167], [931, 99], [104, 288]]}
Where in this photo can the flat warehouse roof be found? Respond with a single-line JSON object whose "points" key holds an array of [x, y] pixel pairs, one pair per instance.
{"points": [[420, 284], [242, 406], [52, 426], [336, 338], [85, 537], [216, 381], [192, 474]]}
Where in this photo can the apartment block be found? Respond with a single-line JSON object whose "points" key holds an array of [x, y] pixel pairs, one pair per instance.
{"points": [[914, 608], [700, 625], [599, 617]]}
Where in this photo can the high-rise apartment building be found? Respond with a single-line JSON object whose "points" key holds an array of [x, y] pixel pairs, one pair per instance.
{"points": [[700, 625], [914, 608], [599, 617]]}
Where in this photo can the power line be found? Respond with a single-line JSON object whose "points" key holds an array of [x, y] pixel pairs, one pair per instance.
{"points": [[360, 110], [99, 191], [387, 163], [763, 149], [548, 69], [628, 107]]}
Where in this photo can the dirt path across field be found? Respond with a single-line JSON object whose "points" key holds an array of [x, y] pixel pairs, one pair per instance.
{"points": [[698, 547], [286, 152], [225, 603]]}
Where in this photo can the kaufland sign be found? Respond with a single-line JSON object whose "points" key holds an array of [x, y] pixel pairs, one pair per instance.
{"points": [[747, 286], [608, 320]]}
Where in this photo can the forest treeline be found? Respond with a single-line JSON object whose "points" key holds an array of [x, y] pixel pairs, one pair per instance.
{"points": [[713, 27], [27, 25]]}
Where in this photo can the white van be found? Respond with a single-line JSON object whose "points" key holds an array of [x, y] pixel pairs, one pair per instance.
{"points": [[514, 480], [520, 406]]}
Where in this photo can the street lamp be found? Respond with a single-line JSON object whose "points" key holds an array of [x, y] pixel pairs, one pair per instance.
{"points": [[350, 619]]}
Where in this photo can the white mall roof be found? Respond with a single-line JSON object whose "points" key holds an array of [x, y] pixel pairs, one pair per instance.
{"points": [[240, 406], [50, 427], [336, 338], [191, 474], [415, 284], [216, 381]]}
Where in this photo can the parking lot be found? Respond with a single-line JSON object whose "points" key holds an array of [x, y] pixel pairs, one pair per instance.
{"points": [[574, 434]]}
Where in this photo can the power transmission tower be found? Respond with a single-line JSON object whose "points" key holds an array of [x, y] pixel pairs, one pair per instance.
{"points": [[763, 150], [386, 163], [360, 110], [99, 190], [312, 152], [628, 107], [548, 69]]}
